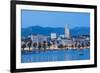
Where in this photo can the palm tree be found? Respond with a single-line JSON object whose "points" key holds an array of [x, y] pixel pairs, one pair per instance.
{"points": [[88, 44], [82, 45], [39, 46], [72, 46], [23, 46], [35, 45], [60, 46], [79, 46], [44, 45], [76, 45], [29, 44], [49, 44]]}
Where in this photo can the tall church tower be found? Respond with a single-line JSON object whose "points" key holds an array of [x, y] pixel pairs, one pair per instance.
{"points": [[67, 32]]}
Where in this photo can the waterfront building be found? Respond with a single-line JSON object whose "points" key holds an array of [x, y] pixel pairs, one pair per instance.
{"points": [[38, 38], [67, 42], [62, 35], [53, 36]]}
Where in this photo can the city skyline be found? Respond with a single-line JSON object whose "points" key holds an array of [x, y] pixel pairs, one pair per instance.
{"points": [[54, 19]]}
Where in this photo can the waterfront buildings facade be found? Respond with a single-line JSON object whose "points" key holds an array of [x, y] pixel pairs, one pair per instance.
{"points": [[55, 41]]}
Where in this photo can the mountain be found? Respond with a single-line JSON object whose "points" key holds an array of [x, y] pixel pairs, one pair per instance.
{"points": [[80, 31], [59, 30]]}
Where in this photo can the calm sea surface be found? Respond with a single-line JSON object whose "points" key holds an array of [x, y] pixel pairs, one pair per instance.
{"points": [[58, 55]]}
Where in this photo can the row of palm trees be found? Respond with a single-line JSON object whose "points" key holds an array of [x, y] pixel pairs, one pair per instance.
{"points": [[75, 45], [35, 45], [44, 45]]}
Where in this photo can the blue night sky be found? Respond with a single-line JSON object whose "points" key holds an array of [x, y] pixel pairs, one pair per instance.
{"points": [[54, 19]]}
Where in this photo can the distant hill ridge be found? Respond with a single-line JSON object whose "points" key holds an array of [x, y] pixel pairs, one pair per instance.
{"points": [[48, 30]]}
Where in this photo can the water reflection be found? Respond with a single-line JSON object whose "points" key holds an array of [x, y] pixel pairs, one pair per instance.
{"points": [[60, 55]]}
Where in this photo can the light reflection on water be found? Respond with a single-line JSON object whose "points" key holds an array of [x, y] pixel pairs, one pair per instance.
{"points": [[58, 55]]}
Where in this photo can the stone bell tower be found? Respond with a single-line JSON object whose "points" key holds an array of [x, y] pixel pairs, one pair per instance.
{"points": [[67, 32]]}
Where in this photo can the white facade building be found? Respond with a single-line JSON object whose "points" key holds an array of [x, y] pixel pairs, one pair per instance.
{"points": [[53, 36], [38, 38]]}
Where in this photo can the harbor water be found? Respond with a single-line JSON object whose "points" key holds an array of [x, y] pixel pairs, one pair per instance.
{"points": [[55, 55]]}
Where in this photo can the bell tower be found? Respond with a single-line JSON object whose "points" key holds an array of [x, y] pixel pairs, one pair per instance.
{"points": [[67, 32]]}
